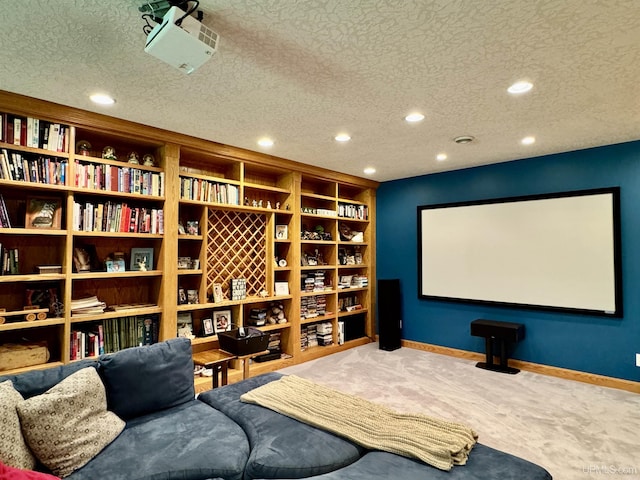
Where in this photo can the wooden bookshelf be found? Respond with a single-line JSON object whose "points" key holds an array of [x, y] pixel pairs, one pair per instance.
{"points": [[222, 236]]}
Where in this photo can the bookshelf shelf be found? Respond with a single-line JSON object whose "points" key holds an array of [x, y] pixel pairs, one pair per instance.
{"points": [[20, 325]]}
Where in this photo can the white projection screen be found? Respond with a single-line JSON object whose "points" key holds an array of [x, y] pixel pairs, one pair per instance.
{"points": [[557, 252]]}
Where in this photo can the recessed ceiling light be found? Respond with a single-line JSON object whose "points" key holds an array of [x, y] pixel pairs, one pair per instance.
{"points": [[414, 117], [102, 99], [342, 137], [441, 157], [528, 140], [369, 170], [520, 87], [265, 142]]}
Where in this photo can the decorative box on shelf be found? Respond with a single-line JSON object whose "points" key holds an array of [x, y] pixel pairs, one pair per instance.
{"points": [[243, 341]]}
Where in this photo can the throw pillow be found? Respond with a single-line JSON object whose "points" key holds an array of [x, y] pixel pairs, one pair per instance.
{"points": [[146, 379], [13, 449], [11, 473], [69, 424]]}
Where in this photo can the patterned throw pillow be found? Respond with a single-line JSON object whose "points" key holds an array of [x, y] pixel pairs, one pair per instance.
{"points": [[69, 424], [13, 450]]}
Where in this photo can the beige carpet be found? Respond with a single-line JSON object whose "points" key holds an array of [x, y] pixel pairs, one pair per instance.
{"points": [[574, 430]]}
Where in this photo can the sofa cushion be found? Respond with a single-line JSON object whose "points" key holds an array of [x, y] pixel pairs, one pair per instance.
{"points": [[484, 463], [142, 380], [280, 446], [69, 424], [36, 382], [191, 441], [13, 449]]}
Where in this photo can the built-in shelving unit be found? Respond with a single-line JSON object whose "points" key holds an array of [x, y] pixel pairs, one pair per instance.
{"points": [[203, 214]]}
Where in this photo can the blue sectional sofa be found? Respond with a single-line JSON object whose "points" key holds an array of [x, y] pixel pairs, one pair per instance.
{"points": [[171, 435]]}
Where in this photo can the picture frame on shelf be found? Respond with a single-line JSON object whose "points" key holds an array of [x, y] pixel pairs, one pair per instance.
{"points": [[184, 263], [141, 259], [281, 288], [218, 296], [85, 258], [192, 296], [182, 296], [115, 266], [222, 320], [185, 325], [282, 232], [43, 213], [192, 227], [207, 327]]}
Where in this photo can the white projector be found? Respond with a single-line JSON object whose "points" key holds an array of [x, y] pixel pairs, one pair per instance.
{"points": [[186, 46]]}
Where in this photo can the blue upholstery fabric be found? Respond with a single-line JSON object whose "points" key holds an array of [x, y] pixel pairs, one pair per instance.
{"points": [[36, 382], [146, 379], [280, 446], [189, 442], [484, 464]]}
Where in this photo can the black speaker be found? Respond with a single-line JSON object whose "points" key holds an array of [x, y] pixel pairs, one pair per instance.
{"points": [[389, 314]]}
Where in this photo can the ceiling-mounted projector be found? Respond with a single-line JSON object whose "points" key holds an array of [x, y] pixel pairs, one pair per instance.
{"points": [[185, 45]]}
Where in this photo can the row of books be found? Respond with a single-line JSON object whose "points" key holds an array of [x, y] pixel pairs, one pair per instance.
{"points": [[114, 334], [5, 220], [207, 191], [9, 261], [33, 132], [119, 179], [32, 168], [355, 212], [117, 217]]}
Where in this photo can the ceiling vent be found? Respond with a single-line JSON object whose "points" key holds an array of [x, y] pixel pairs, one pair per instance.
{"points": [[464, 139]]}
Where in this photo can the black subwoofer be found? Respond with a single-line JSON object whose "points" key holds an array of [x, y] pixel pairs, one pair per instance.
{"points": [[389, 314]]}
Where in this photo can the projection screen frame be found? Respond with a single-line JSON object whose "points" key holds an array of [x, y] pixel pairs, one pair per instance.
{"points": [[617, 312]]}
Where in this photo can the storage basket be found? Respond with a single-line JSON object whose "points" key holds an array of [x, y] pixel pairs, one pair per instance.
{"points": [[254, 341]]}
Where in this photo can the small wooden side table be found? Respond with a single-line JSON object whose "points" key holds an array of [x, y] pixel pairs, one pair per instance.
{"points": [[218, 361], [245, 361]]}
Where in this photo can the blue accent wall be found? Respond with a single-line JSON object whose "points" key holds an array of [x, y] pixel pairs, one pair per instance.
{"points": [[605, 346]]}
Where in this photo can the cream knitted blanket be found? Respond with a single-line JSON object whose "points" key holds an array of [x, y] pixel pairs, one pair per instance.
{"points": [[439, 443]]}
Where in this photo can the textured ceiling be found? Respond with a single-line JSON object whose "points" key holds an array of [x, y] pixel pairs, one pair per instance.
{"points": [[301, 71]]}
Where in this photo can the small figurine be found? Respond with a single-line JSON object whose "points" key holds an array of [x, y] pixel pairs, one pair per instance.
{"points": [[148, 160], [254, 203], [109, 153], [246, 201], [260, 203], [133, 158], [83, 148], [142, 264], [287, 207], [268, 203], [277, 205]]}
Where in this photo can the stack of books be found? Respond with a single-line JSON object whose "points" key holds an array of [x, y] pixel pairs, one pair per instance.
{"points": [[325, 334], [87, 306]]}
